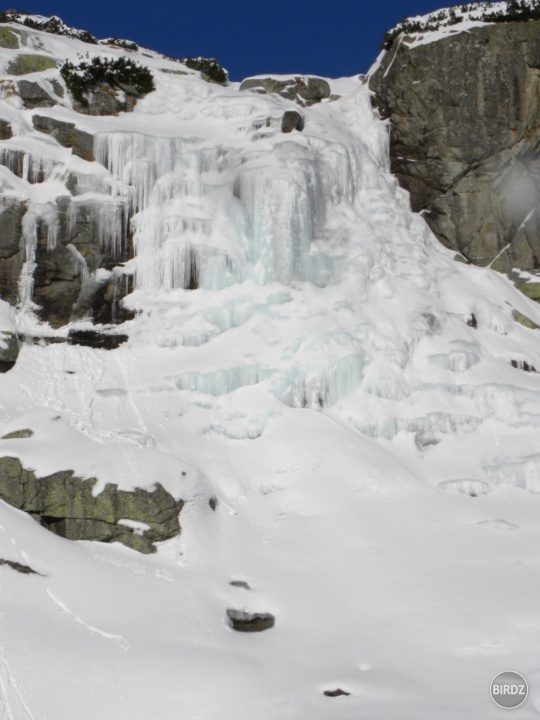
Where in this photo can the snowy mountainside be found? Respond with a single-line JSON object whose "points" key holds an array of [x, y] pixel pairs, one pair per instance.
{"points": [[458, 18], [309, 354]]}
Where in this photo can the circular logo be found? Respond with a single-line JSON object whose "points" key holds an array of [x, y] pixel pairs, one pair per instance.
{"points": [[509, 689]]}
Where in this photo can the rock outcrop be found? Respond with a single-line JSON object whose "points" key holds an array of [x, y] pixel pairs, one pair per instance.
{"points": [[28, 63], [338, 692], [62, 258], [250, 622], [18, 567], [303, 90], [77, 275], [67, 134], [9, 351], [291, 120], [65, 505], [464, 112], [107, 100], [34, 95]]}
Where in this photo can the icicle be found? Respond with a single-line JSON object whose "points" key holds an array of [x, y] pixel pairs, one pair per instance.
{"points": [[81, 262], [29, 239], [36, 219], [52, 235]]}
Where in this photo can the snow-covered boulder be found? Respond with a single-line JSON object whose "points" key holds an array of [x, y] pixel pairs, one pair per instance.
{"points": [[303, 90]]}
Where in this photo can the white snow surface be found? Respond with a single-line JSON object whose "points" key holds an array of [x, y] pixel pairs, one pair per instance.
{"points": [[373, 456]]}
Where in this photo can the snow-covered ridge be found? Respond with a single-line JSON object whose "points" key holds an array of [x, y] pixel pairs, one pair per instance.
{"points": [[53, 24], [462, 17]]}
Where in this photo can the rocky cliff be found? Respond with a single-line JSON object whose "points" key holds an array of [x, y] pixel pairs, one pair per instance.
{"points": [[464, 111]]}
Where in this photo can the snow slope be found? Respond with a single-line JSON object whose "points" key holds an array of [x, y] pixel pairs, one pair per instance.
{"points": [[374, 456]]}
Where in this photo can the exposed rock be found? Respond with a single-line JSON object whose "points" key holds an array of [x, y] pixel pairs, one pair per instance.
{"points": [[304, 90], [34, 95], [11, 228], [106, 100], [530, 289], [292, 120], [18, 435], [524, 320], [67, 286], [10, 270], [9, 350], [96, 339], [18, 567], [26, 64], [67, 135], [83, 145], [336, 693], [523, 365], [465, 130], [472, 321], [62, 131], [56, 87], [57, 281], [9, 39], [213, 503], [14, 160], [240, 584], [65, 505], [174, 72], [6, 131], [250, 622]]}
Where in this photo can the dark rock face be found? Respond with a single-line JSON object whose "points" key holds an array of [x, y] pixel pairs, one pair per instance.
{"points": [[66, 287], [83, 145], [338, 692], [6, 131], [240, 584], [291, 120], [9, 351], [18, 567], [95, 339], [10, 270], [34, 96], [303, 90], [67, 134], [465, 132], [523, 365], [250, 622], [64, 504], [10, 228], [107, 100], [63, 132]]}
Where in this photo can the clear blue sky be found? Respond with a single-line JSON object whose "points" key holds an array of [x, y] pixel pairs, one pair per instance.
{"points": [[249, 37]]}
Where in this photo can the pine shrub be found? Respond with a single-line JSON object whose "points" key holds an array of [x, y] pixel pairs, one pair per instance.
{"points": [[87, 76], [209, 67]]}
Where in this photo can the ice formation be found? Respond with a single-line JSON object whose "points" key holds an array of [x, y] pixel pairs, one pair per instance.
{"points": [[303, 341]]}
